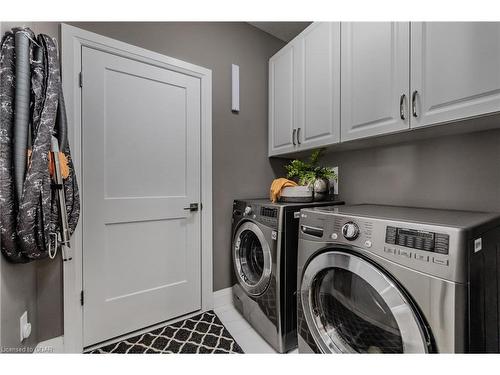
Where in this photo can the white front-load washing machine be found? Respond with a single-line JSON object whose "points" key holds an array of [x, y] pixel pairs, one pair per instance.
{"points": [[383, 279]]}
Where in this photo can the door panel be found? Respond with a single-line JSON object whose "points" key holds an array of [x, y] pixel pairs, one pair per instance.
{"points": [[375, 74], [319, 83], [164, 151], [455, 70], [282, 100], [252, 259], [141, 167]]}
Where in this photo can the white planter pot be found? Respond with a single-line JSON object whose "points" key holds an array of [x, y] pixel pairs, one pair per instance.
{"points": [[297, 194]]}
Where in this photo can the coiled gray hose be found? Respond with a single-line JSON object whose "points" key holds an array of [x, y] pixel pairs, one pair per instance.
{"points": [[22, 108], [62, 123]]}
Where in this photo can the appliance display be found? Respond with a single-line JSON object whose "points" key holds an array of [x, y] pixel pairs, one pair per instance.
{"points": [[417, 239], [264, 253], [380, 279]]}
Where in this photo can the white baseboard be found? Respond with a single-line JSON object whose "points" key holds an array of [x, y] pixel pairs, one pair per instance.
{"points": [[223, 297], [55, 345]]}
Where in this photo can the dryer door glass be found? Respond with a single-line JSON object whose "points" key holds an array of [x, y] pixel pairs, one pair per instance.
{"points": [[351, 306], [252, 258]]}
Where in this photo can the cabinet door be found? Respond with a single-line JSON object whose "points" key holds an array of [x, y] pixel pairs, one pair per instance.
{"points": [[375, 76], [318, 122], [282, 98], [455, 70]]}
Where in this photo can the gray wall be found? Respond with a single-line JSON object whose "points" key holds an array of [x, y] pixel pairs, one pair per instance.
{"points": [[20, 282], [461, 171], [452, 172], [241, 168]]}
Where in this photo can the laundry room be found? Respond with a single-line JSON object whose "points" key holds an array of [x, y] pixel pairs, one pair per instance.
{"points": [[320, 182]]}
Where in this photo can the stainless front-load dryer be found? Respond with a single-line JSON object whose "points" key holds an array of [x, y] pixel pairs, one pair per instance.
{"points": [[264, 253], [382, 279]]}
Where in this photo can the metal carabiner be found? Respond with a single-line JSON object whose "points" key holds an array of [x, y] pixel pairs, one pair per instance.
{"points": [[55, 241]]}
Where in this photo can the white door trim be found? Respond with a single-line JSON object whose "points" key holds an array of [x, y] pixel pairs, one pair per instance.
{"points": [[72, 41]]}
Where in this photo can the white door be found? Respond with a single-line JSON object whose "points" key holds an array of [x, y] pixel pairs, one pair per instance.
{"points": [[455, 70], [282, 98], [141, 168], [375, 78], [319, 85]]}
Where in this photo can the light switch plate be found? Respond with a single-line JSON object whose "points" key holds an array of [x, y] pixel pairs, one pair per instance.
{"points": [[335, 183], [23, 324]]}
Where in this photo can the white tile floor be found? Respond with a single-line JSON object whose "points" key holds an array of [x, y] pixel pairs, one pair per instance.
{"points": [[249, 340]]}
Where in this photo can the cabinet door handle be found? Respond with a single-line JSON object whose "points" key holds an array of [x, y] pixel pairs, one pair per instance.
{"points": [[293, 137], [414, 103], [298, 136], [401, 107]]}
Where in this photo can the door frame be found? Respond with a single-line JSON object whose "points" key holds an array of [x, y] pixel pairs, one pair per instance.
{"points": [[73, 40]]}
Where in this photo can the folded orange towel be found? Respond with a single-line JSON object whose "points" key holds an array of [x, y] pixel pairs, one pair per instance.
{"points": [[276, 187]]}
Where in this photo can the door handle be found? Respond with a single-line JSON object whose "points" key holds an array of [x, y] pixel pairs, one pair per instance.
{"points": [[293, 137], [401, 109], [414, 103], [298, 137], [193, 207]]}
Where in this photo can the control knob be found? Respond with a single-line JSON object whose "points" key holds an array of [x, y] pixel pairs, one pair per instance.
{"points": [[248, 210], [350, 231]]}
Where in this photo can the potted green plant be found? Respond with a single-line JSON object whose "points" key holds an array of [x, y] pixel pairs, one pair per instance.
{"points": [[311, 174]]}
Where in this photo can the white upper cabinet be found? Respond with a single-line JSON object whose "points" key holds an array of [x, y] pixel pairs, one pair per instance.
{"points": [[282, 98], [304, 91], [455, 70], [318, 84], [375, 78], [338, 82]]}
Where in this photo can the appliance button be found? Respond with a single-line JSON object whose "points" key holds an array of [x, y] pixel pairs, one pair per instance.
{"points": [[368, 243], [248, 210], [334, 236], [405, 253], [389, 250], [443, 262], [441, 249], [423, 258]]}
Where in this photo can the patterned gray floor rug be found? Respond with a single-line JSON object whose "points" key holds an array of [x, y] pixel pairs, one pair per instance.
{"points": [[203, 333]]}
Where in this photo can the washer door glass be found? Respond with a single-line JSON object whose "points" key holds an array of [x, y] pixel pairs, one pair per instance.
{"points": [[353, 314], [351, 306], [252, 258]]}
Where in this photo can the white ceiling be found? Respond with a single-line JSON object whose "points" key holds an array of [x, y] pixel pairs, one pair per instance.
{"points": [[285, 31]]}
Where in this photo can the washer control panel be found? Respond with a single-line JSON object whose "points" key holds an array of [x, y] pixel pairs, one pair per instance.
{"points": [[418, 239], [432, 249]]}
